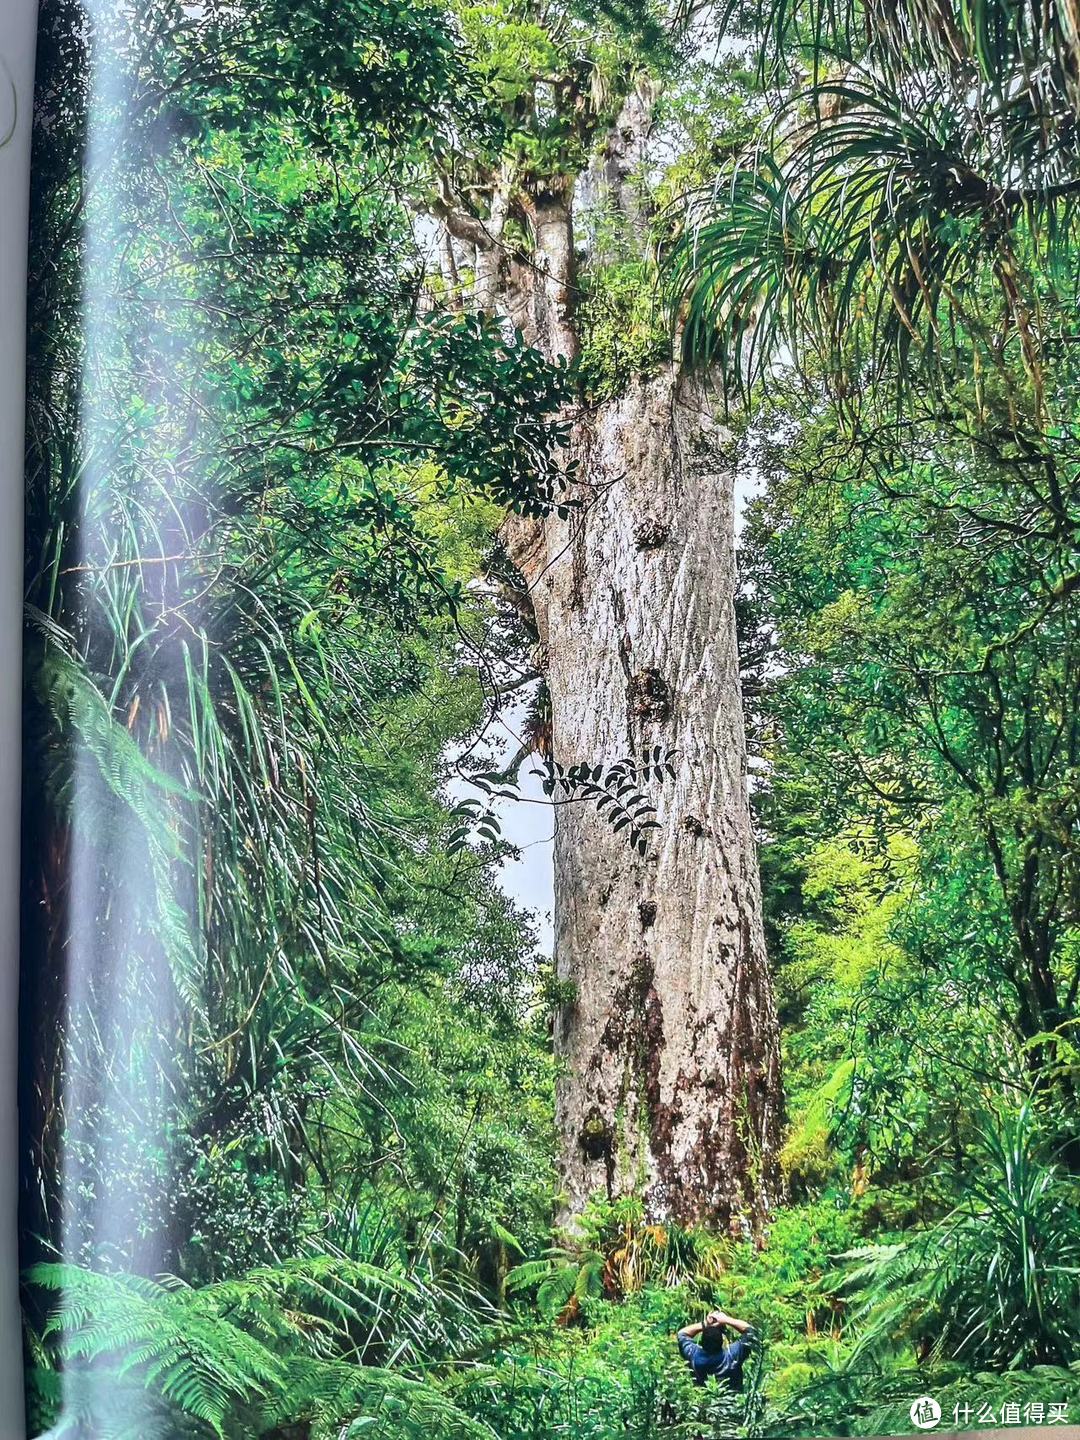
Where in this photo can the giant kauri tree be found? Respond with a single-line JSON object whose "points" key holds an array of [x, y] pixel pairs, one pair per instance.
{"points": [[666, 1030]]}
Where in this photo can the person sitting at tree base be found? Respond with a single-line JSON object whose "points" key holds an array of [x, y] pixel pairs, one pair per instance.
{"points": [[705, 1350]]}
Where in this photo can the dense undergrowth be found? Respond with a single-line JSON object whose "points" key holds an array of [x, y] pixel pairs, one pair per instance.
{"points": [[857, 1320]]}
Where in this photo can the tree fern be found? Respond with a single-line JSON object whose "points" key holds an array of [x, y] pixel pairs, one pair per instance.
{"points": [[238, 1358], [198, 1362]]}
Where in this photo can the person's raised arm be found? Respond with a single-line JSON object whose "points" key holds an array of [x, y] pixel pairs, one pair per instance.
{"points": [[689, 1332], [739, 1326]]}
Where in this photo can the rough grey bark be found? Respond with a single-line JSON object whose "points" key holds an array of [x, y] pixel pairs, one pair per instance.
{"points": [[669, 1082], [616, 175]]}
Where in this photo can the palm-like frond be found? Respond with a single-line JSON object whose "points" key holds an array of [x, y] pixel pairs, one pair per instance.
{"points": [[896, 206], [747, 272], [202, 1364], [564, 1278], [997, 1280], [993, 42]]}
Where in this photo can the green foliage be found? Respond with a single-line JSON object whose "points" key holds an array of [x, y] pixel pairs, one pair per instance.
{"points": [[624, 330], [239, 1358], [279, 1021], [909, 212], [556, 78], [615, 1254], [925, 705], [610, 1366], [996, 1281], [620, 1376]]}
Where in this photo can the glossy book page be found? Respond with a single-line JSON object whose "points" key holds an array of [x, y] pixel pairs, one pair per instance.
{"points": [[17, 22], [550, 733]]}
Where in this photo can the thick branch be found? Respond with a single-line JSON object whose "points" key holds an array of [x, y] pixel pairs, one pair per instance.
{"points": [[450, 209]]}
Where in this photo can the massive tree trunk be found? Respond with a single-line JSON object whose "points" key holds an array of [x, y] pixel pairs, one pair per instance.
{"points": [[669, 1082], [669, 1079]]}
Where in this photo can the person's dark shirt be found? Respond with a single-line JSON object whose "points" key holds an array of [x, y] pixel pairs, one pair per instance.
{"points": [[726, 1364]]}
